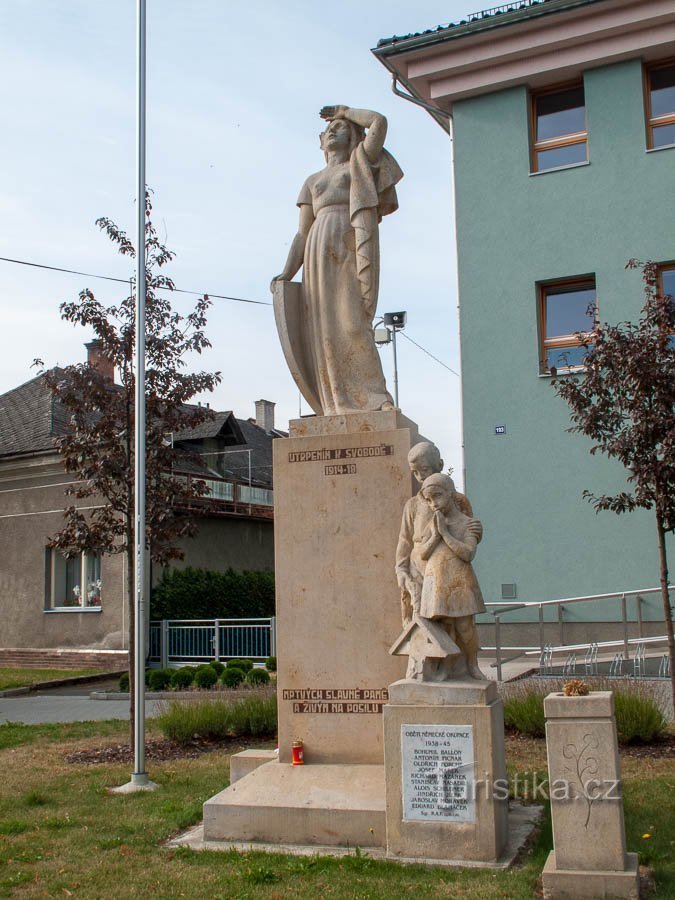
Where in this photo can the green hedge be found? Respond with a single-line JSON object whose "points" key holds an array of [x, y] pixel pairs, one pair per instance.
{"points": [[204, 594]]}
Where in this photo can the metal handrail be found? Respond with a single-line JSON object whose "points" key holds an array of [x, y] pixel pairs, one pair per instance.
{"points": [[600, 644], [566, 600]]}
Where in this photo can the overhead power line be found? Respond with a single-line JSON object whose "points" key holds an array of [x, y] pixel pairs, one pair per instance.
{"points": [[34, 265], [435, 358], [23, 262]]}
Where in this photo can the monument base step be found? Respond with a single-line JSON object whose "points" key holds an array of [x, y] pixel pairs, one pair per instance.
{"points": [[523, 819], [570, 884], [278, 803]]}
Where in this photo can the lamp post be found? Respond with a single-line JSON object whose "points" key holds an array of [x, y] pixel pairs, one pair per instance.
{"points": [[392, 322]]}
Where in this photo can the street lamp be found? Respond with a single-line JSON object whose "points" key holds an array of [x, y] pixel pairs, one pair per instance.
{"points": [[392, 323]]}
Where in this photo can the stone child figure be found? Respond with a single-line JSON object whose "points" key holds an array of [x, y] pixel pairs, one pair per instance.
{"points": [[424, 460], [450, 591], [337, 245]]}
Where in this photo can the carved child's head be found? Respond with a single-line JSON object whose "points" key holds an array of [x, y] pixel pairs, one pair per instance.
{"points": [[424, 460], [439, 492]]}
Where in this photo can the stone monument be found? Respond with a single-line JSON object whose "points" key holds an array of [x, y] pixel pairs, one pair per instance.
{"points": [[341, 480], [445, 770]]}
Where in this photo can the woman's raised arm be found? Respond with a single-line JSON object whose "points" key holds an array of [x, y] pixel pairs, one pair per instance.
{"points": [[374, 123]]}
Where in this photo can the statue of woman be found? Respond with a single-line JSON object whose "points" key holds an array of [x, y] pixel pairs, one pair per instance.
{"points": [[338, 248]]}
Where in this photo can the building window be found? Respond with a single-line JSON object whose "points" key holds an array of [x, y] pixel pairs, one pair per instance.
{"points": [[660, 89], [667, 289], [559, 128], [74, 582], [566, 309]]}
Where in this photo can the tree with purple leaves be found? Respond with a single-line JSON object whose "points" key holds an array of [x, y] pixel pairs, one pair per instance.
{"points": [[624, 401], [98, 447]]}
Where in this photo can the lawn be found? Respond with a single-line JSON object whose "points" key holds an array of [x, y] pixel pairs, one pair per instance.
{"points": [[15, 677], [62, 834]]}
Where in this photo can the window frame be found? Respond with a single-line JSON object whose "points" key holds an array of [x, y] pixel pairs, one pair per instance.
{"points": [[83, 606], [561, 341], [661, 268], [652, 122], [577, 137]]}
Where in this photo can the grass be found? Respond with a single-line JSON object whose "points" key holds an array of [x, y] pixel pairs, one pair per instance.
{"points": [[62, 834], [17, 677]]}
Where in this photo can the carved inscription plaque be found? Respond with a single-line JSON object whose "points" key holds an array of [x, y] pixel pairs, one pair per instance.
{"points": [[336, 700], [438, 773]]}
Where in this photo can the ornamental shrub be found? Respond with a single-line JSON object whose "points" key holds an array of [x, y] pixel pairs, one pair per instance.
{"points": [[206, 677], [232, 678], [244, 664], [638, 718], [271, 663], [525, 713], [159, 679], [217, 666], [183, 677], [181, 720], [124, 682], [205, 594], [258, 676]]}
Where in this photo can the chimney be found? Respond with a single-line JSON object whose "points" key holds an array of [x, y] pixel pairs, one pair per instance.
{"points": [[99, 361], [264, 414]]}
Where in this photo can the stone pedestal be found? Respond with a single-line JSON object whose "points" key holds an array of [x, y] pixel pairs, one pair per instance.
{"points": [[340, 483], [589, 858], [445, 772]]}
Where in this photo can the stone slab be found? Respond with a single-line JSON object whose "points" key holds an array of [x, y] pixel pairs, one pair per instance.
{"points": [[279, 803], [338, 501], [523, 819], [350, 423], [570, 884], [448, 693], [596, 705], [483, 836], [247, 760]]}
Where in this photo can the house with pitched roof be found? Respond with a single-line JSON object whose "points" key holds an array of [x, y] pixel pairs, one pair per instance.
{"points": [[71, 612]]}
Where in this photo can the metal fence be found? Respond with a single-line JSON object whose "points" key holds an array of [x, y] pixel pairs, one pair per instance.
{"points": [[177, 642], [546, 649]]}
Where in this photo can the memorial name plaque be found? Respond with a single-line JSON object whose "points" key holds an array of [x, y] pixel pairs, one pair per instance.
{"points": [[438, 773]]}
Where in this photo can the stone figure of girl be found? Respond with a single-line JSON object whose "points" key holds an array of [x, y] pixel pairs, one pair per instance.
{"points": [[450, 592]]}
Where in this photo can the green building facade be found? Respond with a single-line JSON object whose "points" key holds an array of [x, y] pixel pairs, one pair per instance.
{"points": [[528, 225]]}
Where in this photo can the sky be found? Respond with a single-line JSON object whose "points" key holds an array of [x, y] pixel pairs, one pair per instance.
{"points": [[233, 95]]}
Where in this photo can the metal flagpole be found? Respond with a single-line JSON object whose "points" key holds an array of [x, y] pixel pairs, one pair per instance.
{"points": [[139, 779], [139, 776]]}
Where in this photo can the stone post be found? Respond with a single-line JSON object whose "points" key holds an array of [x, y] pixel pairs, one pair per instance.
{"points": [[589, 856]]}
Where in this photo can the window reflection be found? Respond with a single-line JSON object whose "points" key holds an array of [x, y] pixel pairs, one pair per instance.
{"points": [[560, 113], [568, 155]]}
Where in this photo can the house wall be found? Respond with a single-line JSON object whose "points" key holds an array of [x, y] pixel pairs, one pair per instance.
{"points": [[515, 229], [31, 504], [224, 543]]}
